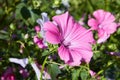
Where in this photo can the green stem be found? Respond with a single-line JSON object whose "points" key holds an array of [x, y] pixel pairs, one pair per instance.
{"points": [[101, 71], [55, 63], [43, 67]]}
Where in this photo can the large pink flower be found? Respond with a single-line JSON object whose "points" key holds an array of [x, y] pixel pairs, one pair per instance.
{"points": [[103, 22], [75, 41]]}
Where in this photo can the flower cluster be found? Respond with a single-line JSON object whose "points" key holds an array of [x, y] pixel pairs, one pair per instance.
{"points": [[75, 41]]}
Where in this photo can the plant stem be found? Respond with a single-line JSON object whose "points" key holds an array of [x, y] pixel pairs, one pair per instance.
{"points": [[43, 67]]}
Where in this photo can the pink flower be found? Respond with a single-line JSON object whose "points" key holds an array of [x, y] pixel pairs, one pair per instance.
{"points": [[39, 42], [92, 73], [23, 72], [46, 75], [114, 53], [8, 74], [75, 41], [37, 29], [103, 22]]}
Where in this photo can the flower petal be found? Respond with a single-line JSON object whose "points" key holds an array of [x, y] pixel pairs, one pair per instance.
{"points": [[36, 69], [108, 18], [62, 21], [86, 55], [23, 62], [93, 23], [75, 58], [80, 45], [103, 38], [52, 33], [99, 15], [110, 28], [64, 53], [45, 17]]}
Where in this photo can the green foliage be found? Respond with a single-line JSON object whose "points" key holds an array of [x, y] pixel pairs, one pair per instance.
{"points": [[53, 70]]}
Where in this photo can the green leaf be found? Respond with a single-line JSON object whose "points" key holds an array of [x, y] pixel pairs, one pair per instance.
{"points": [[118, 2], [96, 54], [53, 70], [84, 74], [45, 53], [3, 32], [18, 10], [4, 37], [75, 74], [25, 13], [118, 31], [20, 5], [33, 17], [12, 26]]}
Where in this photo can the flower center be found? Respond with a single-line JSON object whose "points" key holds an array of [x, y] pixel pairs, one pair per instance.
{"points": [[66, 44]]}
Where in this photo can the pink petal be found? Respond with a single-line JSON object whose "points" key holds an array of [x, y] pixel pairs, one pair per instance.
{"points": [[76, 33], [100, 32], [41, 45], [49, 26], [92, 73], [87, 37], [52, 37], [108, 18], [36, 39], [52, 33], [86, 55], [93, 23], [103, 38], [99, 15], [37, 29], [69, 26], [62, 21], [110, 28], [75, 58], [64, 53], [80, 45]]}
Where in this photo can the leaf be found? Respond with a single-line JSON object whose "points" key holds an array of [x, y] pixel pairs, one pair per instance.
{"points": [[118, 2], [33, 17], [20, 5], [45, 53], [118, 31], [3, 32], [53, 70], [25, 13], [96, 54], [84, 74], [4, 35], [75, 74], [18, 10]]}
